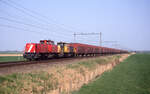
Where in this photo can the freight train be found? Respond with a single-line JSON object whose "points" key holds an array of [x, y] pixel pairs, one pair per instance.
{"points": [[47, 49]]}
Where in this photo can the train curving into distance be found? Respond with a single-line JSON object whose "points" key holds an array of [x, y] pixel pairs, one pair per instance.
{"points": [[47, 49]]}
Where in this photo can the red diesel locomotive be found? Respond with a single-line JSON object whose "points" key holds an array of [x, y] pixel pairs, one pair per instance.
{"points": [[42, 50]]}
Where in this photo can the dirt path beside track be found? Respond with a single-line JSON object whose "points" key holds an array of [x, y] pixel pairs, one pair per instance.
{"points": [[11, 54]]}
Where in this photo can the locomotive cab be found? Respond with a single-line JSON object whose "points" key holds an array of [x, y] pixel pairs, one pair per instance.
{"points": [[30, 51], [61, 48]]}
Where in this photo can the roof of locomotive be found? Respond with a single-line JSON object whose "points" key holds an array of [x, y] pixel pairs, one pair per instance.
{"points": [[46, 40], [62, 42]]}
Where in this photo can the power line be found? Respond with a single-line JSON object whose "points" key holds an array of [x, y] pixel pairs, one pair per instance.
{"points": [[10, 20], [36, 13], [19, 22], [109, 41], [8, 26], [35, 17], [23, 10], [100, 37], [4, 2], [88, 39], [29, 24], [15, 16], [14, 27]]}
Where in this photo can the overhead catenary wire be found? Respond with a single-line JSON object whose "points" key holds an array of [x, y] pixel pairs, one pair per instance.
{"points": [[31, 12], [60, 35], [87, 34], [28, 30], [43, 16], [16, 16], [19, 22], [4, 2], [88, 40], [14, 27]]}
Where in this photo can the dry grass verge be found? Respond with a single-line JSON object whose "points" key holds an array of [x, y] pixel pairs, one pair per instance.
{"points": [[11, 54], [58, 79]]}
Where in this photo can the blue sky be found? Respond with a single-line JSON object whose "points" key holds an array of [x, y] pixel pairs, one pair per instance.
{"points": [[125, 21]]}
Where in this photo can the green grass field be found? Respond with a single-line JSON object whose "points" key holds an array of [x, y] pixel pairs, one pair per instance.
{"points": [[130, 77], [11, 52], [11, 58]]}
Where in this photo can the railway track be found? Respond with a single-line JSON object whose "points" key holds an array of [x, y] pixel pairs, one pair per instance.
{"points": [[51, 61], [8, 64]]}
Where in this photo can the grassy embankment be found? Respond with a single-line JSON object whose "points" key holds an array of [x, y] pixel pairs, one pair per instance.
{"points": [[130, 77], [57, 79]]}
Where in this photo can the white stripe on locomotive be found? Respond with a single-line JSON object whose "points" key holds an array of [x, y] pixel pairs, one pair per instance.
{"points": [[31, 46]]}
